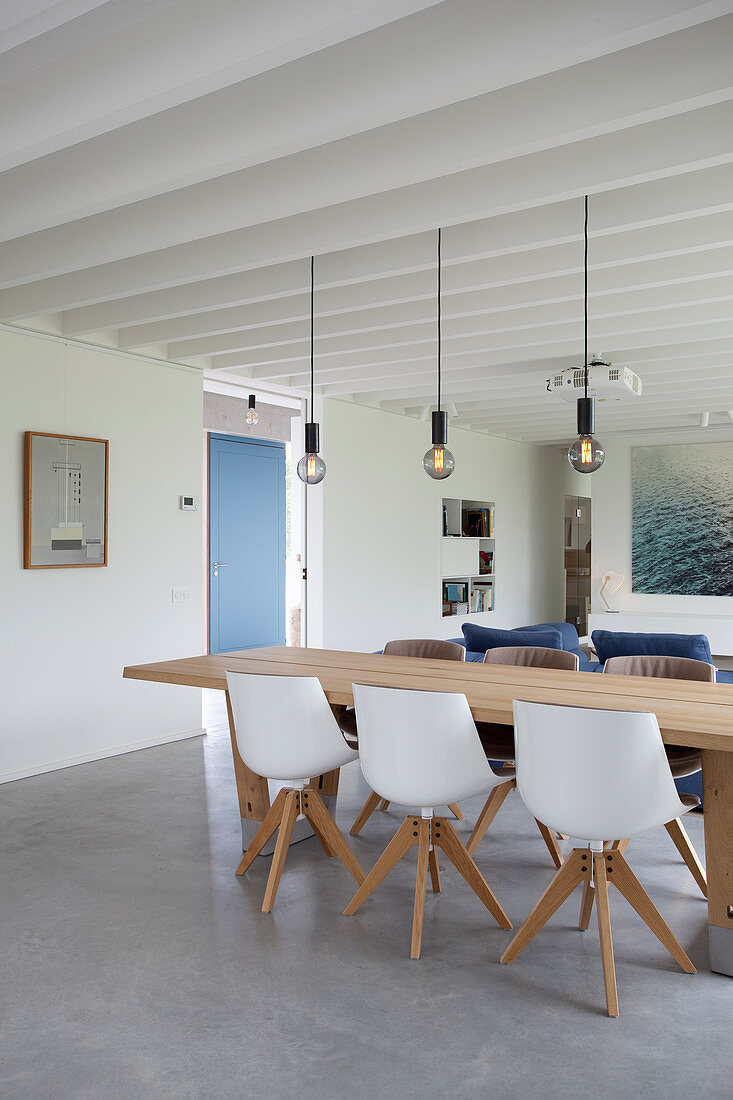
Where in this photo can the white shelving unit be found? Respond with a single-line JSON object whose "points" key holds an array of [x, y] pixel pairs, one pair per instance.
{"points": [[467, 548]]}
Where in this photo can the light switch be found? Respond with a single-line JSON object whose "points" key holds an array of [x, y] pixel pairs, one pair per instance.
{"points": [[181, 595]]}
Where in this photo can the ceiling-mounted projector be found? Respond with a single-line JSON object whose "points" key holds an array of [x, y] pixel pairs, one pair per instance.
{"points": [[605, 382]]}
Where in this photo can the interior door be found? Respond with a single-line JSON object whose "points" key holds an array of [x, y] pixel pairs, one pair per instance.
{"points": [[577, 562], [246, 543]]}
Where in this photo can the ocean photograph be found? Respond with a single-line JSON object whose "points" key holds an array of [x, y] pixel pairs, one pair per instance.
{"points": [[682, 519]]}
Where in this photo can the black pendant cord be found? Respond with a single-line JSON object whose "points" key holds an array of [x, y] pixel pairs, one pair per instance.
{"points": [[439, 326], [312, 302], [585, 296]]}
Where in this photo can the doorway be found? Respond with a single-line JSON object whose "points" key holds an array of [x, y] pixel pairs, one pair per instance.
{"points": [[247, 543], [577, 562]]}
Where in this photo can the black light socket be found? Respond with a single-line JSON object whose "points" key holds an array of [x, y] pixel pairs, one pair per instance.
{"points": [[251, 401], [586, 415], [311, 438], [440, 428]]}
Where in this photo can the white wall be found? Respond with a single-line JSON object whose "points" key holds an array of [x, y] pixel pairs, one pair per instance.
{"points": [[612, 529], [382, 526], [67, 633]]}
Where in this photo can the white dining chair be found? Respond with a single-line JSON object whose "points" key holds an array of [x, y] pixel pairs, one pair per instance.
{"points": [[285, 730], [421, 749], [683, 761], [594, 774], [498, 740], [435, 649]]}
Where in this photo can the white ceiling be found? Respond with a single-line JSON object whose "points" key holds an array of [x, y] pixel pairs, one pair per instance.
{"points": [[169, 166]]}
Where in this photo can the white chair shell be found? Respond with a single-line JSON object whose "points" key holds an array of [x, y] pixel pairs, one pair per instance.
{"points": [[593, 774], [420, 748], [285, 728]]}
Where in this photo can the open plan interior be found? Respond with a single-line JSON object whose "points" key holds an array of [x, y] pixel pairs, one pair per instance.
{"points": [[367, 584]]}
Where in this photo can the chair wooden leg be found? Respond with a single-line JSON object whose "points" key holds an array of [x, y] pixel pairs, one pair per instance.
{"points": [[574, 869], [365, 813], [445, 837], [684, 846], [263, 834], [329, 834], [491, 808], [586, 905], [390, 857], [434, 870], [456, 810], [384, 804], [627, 882], [621, 845], [420, 887], [552, 846], [603, 914], [289, 814]]}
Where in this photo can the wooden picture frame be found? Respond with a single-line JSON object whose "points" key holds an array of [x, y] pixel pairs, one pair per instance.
{"points": [[475, 523], [66, 503]]}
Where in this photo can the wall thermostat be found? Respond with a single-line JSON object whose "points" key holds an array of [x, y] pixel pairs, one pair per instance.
{"points": [[190, 504]]}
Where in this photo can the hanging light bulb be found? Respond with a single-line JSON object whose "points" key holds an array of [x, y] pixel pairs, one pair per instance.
{"points": [[585, 453], [438, 462], [252, 416], [312, 468]]}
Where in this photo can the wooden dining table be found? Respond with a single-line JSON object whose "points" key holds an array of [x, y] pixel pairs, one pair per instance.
{"points": [[689, 713]]}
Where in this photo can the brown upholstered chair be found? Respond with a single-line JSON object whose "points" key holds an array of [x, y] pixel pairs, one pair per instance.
{"points": [[431, 648], [682, 761], [498, 741]]}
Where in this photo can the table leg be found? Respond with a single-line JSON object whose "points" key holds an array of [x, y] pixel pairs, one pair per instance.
{"points": [[252, 790], [717, 780]]}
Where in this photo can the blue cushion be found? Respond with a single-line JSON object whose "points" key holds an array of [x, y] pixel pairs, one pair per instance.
{"points": [[567, 632], [617, 643], [724, 677], [481, 638]]}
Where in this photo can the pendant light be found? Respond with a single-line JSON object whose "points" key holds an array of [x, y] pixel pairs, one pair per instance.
{"points": [[311, 468], [585, 453], [251, 416], [438, 462]]}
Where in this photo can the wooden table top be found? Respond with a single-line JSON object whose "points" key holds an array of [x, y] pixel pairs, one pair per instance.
{"points": [[689, 712]]}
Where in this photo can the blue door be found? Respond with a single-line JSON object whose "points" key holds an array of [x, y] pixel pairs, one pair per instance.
{"points": [[246, 543]]}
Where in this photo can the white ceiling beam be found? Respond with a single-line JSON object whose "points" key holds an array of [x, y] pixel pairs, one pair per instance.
{"points": [[417, 320], [653, 203], [662, 147], [657, 79], [531, 331], [358, 300], [199, 49], [391, 76]]}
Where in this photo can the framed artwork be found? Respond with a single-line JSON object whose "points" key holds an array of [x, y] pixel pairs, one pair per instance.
{"points": [[682, 519], [65, 501]]}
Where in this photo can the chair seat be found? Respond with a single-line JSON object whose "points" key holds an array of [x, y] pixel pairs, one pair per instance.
{"points": [[347, 724], [690, 801], [683, 761]]}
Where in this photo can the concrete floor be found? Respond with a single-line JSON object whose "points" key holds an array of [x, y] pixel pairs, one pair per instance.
{"points": [[134, 963]]}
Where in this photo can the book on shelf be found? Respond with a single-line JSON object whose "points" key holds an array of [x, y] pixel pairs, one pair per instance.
{"points": [[486, 562], [483, 595], [455, 592]]}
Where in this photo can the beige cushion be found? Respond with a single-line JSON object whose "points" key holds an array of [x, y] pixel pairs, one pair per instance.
{"points": [[434, 648], [671, 668], [533, 656]]}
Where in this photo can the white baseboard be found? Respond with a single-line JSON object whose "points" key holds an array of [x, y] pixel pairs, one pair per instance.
{"points": [[72, 763]]}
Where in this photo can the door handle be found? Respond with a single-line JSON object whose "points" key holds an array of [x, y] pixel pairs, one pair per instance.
{"points": [[217, 565]]}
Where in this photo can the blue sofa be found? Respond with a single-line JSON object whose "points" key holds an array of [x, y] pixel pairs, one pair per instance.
{"points": [[551, 635]]}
